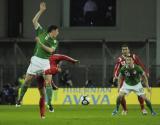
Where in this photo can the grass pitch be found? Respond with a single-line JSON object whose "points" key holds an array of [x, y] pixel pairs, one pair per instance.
{"points": [[76, 115]]}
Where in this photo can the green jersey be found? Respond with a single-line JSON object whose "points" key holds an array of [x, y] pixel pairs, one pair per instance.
{"points": [[132, 76], [47, 41]]}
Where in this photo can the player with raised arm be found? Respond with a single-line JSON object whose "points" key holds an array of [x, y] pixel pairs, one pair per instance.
{"points": [[121, 62], [131, 75], [40, 59]]}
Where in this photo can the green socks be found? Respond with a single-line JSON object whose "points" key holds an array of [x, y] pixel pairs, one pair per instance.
{"points": [[49, 94], [118, 102], [23, 91], [148, 103]]}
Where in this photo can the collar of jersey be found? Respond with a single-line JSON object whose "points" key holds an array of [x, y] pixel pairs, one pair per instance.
{"points": [[51, 37], [128, 66]]}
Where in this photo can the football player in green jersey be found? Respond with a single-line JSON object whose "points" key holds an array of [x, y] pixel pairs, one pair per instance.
{"points": [[132, 75], [40, 59]]}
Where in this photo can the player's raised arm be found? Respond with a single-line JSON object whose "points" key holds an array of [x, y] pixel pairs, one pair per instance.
{"points": [[37, 16]]}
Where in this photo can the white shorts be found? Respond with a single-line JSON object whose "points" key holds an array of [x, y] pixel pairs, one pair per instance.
{"points": [[138, 89], [37, 64]]}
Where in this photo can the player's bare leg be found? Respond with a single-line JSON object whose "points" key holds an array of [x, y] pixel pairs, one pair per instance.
{"points": [[118, 102], [141, 101], [24, 88], [123, 103], [149, 105], [124, 106], [49, 91]]}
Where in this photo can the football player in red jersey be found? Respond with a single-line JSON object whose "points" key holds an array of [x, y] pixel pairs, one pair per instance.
{"points": [[121, 62], [54, 64], [53, 70]]}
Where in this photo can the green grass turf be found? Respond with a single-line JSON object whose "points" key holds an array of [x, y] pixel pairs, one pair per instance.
{"points": [[76, 115]]}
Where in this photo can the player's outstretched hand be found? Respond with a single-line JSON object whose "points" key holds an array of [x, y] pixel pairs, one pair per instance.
{"points": [[54, 87], [77, 61], [42, 6]]}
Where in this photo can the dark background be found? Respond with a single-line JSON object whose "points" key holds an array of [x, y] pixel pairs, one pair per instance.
{"points": [[103, 17]]}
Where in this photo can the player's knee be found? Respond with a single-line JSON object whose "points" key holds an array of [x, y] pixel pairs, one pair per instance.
{"points": [[143, 97], [28, 79], [42, 92], [121, 94], [42, 95], [48, 82]]}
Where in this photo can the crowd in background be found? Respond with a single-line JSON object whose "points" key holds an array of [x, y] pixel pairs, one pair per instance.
{"points": [[8, 94]]}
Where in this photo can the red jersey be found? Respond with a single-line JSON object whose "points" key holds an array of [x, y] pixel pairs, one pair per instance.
{"points": [[56, 58], [121, 62]]}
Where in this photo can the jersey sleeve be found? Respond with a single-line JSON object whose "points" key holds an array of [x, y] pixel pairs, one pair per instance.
{"points": [[122, 71], [140, 70], [39, 30], [54, 44], [139, 62], [117, 68], [35, 49]]}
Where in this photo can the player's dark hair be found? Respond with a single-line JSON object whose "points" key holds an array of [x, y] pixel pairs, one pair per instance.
{"points": [[124, 45], [52, 27]]}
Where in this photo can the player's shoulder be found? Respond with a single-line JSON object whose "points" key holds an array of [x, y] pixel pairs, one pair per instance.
{"points": [[43, 33], [53, 40], [123, 67], [119, 58], [137, 66], [133, 55]]}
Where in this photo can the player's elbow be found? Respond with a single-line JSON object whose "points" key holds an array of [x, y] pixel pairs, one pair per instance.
{"points": [[34, 22], [51, 50]]}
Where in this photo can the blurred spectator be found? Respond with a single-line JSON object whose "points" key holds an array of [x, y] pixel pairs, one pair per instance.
{"points": [[65, 78], [18, 84], [0, 97], [90, 11], [89, 84], [8, 94], [5, 94], [21, 80], [158, 82], [13, 93], [109, 18]]}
